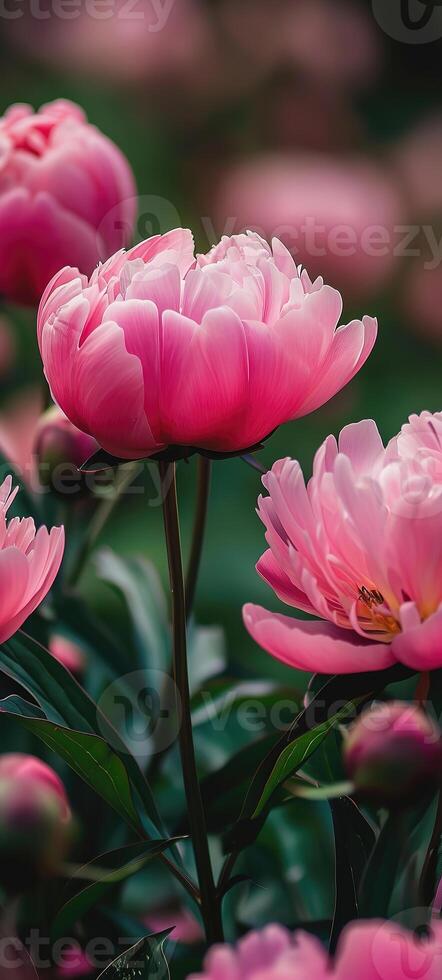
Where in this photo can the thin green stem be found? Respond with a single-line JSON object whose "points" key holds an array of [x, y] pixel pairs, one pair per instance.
{"points": [[210, 907], [202, 501]]}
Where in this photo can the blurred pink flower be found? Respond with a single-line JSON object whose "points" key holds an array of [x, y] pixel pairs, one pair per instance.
{"points": [[134, 42], [18, 422], [60, 178], [336, 215], [186, 928], [422, 300], [309, 35], [29, 563], [67, 653], [156, 351], [75, 964], [374, 950], [360, 546], [418, 159]]}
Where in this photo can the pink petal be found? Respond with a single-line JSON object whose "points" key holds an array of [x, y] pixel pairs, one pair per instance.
{"points": [[109, 384], [421, 646], [314, 646], [207, 404]]}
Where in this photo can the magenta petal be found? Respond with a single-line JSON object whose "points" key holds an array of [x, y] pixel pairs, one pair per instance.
{"points": [[316, 646]]}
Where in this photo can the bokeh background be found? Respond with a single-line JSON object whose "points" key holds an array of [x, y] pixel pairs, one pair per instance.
{"points": [[279, 116]]}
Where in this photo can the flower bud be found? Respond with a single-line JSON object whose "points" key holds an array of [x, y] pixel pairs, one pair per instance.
{"points": [[393, 754], [35, 821], [59, 448]]}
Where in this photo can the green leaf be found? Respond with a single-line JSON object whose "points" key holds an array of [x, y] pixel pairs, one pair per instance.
{"points": [[67, 705], [143, 961], [296, 754], [380, 875], [88, 755], [354, 840], [118, 866]]}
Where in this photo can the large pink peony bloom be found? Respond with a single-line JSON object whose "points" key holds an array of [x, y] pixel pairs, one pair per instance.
{"points": [[375, 950], [360, 546], [67, 195], [158, 350], [29, 562]]}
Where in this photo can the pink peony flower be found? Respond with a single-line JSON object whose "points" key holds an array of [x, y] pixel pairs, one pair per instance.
{"points": [[374, 950], [360, 546], [336, 215], [60, 178], [157, 350], [29, 562]]}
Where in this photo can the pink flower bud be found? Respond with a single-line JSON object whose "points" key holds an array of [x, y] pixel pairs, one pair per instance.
{"points": [[59, 444], [394, 754], [35, 820]]}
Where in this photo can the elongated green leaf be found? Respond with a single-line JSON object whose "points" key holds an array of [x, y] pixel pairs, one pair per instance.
{"points": [[296, 754], [144, 961], [354, 840], [382, 868], [105, 871], [88, 755], [67, 705]]}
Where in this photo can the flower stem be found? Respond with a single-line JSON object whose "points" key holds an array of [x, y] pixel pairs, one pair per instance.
{"points": [[203, 489], [210, 906]]}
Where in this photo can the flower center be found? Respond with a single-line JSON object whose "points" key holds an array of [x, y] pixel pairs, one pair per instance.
{"points": [[376, 618]]}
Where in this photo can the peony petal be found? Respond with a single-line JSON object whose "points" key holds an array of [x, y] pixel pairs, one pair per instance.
{"points": [[421, 646], [317, 646]]}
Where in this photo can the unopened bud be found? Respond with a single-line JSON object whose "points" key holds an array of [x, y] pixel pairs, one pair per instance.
{"points": [[35, 821], [58, 446], [393, 754]]}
